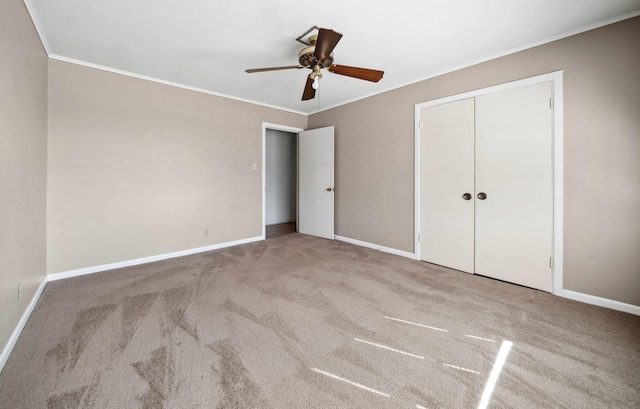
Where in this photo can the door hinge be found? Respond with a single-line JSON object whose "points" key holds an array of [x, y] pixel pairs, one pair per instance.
{"points": [[550, 262], [419, 237], [550, 103]]}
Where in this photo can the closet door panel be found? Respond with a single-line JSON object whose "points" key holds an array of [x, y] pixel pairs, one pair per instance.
{"points": [[514, 223], [446, 174]]}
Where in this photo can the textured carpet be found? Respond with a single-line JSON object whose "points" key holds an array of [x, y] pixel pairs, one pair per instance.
{"points": [[297, 322]]}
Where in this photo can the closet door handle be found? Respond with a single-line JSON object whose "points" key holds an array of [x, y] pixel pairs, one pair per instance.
{"points": [[466, 196], [482, 195]]}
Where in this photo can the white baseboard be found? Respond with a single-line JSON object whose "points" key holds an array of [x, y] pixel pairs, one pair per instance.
{"points": [[150, 259], [573, 295], [599, 301], [377, 247], [104, 267], [18, 330]]}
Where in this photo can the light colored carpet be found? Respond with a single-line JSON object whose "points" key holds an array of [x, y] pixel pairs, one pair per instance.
{"points": [[276, 230], [298, 321]]}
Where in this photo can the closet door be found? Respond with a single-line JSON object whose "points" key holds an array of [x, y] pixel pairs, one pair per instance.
{"points": [[514, 186], [446, 184]]}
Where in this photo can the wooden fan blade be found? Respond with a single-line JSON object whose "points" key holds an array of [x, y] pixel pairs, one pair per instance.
{"points": [[355, 72], [289, 67], [327, 40], [309, 92]]}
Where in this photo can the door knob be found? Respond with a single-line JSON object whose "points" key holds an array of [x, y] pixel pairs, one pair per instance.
{"points": [[329, 189], [466, 196], [482, 195]]}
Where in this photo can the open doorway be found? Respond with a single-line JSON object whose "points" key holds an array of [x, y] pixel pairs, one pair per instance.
{"points": [[281, 179], [308, 180]]}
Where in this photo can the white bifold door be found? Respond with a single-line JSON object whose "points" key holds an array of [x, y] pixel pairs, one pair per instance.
{"points": [[486, 188], [315, 180], [447, 172]]}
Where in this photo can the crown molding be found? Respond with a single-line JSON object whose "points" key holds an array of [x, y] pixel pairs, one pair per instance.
{"points": [[547, 40], [170, 83], [38, 26]]}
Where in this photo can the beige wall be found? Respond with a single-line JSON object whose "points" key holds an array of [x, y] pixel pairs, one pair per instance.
{"points": [[23, 163], [138, 168], [375, 170]]}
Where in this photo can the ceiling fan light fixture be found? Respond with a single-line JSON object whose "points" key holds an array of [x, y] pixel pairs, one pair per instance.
{"points": [[317, 55]]}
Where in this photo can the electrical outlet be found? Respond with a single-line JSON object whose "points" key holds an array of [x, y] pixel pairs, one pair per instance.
{"points": [[206, 232], [19, 292]]}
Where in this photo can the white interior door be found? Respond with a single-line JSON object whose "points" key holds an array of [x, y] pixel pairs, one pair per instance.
{"points": [[447, 185], [315, 178], [514, 223]]}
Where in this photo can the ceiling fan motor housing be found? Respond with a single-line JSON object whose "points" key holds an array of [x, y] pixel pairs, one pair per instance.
{"points": [[307, 59]]}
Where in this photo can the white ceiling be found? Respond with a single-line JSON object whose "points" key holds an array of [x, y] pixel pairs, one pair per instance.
{"points": [[207, 44]]}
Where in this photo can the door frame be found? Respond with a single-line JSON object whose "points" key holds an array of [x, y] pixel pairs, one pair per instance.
{"points": [[556, 79], [275, 127]]}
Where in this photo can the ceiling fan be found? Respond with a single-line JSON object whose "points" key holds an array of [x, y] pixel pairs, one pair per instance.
{"points": [[318, 55]]}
